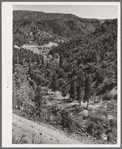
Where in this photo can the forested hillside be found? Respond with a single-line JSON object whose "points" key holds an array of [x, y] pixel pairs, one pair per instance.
{"points": [[96, 56], [83, 69], [40, 27]]}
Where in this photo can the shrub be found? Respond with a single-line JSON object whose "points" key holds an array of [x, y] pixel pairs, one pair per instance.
{"points": [[51, 97], [65, 119], [99, 129], [115, 96], [19, 141], [113, 123], [109, 136], [55, 118], [114, 133], [106, 96], [33, 138], [95, 128], [91, 128]]}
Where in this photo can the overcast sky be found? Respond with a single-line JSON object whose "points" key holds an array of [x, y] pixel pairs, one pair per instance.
{"points": [[84, 11]]}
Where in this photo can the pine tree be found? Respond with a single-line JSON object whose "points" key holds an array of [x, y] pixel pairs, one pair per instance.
{"points": [[80, 81], [17, 53], [47, 65], [29, 63], [64, 90], [79, 92], [54, 82], [38, 62], [87, 89], [73, 90], [42, 60], [61, 59], [38, 99], [73, 83]]}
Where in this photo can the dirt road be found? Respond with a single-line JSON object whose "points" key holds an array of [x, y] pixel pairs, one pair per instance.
{"points": [[40, 133]]}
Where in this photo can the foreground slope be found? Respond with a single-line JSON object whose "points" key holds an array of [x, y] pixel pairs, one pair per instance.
{"points": [[41, 133]]}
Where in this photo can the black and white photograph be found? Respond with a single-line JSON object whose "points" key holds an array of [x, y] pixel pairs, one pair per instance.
{"points": [[63, 74]]}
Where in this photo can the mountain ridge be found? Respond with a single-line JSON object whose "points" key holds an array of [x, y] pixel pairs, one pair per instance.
{"points": [[64, 25]]}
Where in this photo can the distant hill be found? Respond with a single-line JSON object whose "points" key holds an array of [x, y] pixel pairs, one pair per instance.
{"points": [[31, 24]]}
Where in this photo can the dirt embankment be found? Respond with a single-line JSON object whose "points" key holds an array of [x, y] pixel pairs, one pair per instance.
{"points": [[39, 133]]}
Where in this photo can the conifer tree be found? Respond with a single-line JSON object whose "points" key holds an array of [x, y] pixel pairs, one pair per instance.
{"points": [[47, 65], [64, 91], [73, 84], [87, 89], [38, 62], [54, 82], [61, 59], [80, 81], [79, 93], [38, 98], [29, 63], [17, 53], [73, 90], [42, 60]]}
